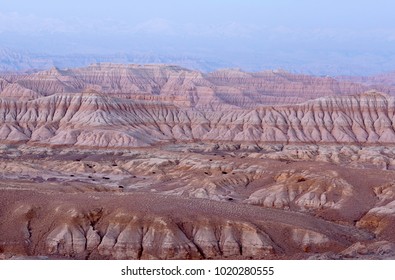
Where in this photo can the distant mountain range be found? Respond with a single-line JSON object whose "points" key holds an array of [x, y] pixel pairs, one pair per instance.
{"points": [[23, 61], [318, 64]]}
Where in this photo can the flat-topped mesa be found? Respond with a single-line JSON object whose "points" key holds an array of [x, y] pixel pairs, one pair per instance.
{"points": [[154, 66]]}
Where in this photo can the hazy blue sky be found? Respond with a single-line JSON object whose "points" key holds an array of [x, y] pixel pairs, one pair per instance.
{"points": [[283, 33]]}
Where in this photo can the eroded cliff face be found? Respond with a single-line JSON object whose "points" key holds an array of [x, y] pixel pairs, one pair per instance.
{"points": [[160, 162], [110, 105], [95, 119], [98, 229], [163, 82]]}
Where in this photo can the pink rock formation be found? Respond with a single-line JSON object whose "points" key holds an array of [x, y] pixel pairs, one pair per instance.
{"points": [[121, 231], [123, 106], [160, 162]]}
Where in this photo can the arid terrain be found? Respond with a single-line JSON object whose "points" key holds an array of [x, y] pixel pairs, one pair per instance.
{"points": [[161, 162]]}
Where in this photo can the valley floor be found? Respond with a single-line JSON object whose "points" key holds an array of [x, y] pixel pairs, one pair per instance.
{"points": [[198, 201]]}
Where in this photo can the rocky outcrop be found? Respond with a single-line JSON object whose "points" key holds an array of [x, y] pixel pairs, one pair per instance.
{"points": [[94, 119], [203, 230], [305, 191], [108, 105], [160, 162], [192, 201], [163, 82], [380, 219], [157, 237]]}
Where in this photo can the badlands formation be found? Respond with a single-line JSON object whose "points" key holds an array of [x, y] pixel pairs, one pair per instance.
{"points": [[161, 162]]}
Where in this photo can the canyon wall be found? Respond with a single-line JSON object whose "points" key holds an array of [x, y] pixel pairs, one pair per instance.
{"points": [[131, 106]]}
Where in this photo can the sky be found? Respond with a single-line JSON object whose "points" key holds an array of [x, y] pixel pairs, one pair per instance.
{"points": [[303, 35]]}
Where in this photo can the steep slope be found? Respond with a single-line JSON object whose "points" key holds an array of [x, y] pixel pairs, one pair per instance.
{"points": [[138, 226], [140, 105], [95, 119], [233, 88]]}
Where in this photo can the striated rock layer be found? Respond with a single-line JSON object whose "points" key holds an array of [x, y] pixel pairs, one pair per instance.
{"points": [[173, 83], [160, 162], [142, 226], [131, 106], [93, 119]]}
